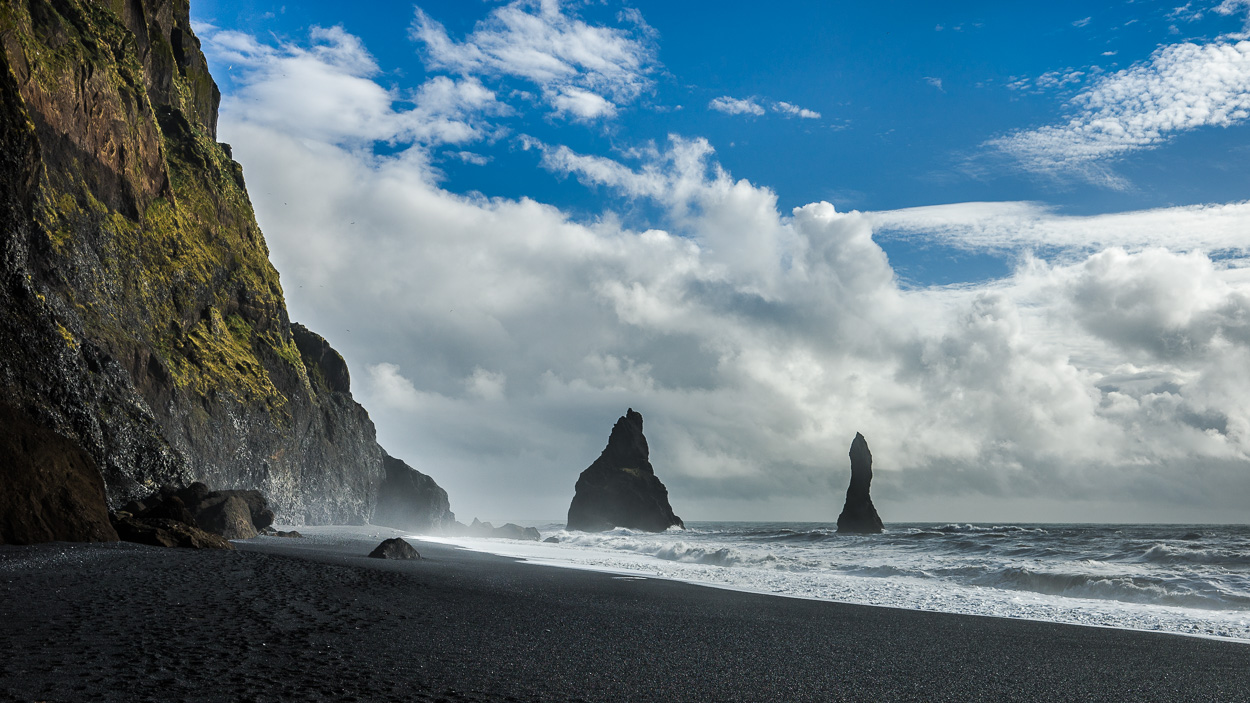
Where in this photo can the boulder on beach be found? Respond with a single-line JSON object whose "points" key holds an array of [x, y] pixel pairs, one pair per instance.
{"points": [[394, 548], [163, 532], [229, 518], [225, 515], [620, 488], [859, 516]]}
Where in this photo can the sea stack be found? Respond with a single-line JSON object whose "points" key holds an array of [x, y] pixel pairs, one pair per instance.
{"points": [[859, 516], [620, 489], [410, 500]]}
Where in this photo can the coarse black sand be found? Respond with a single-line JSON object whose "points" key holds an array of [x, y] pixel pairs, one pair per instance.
{"points": [[314, 619]]}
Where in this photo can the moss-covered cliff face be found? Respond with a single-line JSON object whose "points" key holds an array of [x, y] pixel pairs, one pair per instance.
{"points": [[140, 317]]}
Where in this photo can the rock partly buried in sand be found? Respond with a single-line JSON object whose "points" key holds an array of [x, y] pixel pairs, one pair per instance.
{"points": [[162, 532], [395, 548], [620, 489], [410, 500], [859, 515]]}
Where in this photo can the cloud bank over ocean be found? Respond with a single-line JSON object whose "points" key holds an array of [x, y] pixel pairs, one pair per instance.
{"points": [[494, 340]]}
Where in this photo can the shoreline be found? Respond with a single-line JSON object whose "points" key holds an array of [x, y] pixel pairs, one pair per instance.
{"points": [[501, 549], [314, 619]]}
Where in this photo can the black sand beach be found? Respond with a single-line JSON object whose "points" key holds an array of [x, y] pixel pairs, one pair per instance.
{"points": [[313, 620]]}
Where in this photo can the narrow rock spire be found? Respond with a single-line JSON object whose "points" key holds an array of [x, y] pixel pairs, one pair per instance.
{"points": [[859, 515]]}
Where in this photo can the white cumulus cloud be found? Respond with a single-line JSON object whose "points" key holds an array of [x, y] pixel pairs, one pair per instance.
{"points": [[582, 70], [1105, 376], [326, 91], [751, 106]]}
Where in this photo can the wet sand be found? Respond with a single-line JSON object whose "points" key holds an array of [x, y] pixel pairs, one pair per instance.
{"points": [[315, 620]]}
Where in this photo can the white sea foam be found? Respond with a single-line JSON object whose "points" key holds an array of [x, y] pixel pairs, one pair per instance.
{"points": [[1190, 580]]}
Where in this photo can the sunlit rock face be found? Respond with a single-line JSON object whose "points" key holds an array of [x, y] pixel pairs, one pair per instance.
{"points": [[142, 325], [620, 489], [858, 514]]}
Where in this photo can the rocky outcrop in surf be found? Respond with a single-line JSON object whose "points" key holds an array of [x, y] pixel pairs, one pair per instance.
{"points": [[144, 336], [509, 530], [620, 488], [858, 514]]}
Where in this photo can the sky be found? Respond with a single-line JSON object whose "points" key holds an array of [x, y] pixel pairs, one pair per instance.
{"points": [[1010, 245]]}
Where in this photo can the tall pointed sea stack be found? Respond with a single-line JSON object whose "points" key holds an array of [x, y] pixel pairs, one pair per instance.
{"points": [[859, 515], [620, 489]]}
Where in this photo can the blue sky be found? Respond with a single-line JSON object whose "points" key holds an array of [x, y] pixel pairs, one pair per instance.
{"points": [[768, 226], [908, 94]]}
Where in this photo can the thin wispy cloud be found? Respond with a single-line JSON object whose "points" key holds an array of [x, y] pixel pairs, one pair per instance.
{"points": [[1020, 226], [791, 110], [735, 106], [751, 106], [1181, 88], [1234, 7]]}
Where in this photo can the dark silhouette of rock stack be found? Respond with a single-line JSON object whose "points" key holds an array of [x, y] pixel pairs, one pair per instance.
{"points": [[620, 489], [859, 516], [410, 500]]}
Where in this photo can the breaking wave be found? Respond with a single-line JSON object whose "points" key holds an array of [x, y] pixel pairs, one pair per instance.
{"points": [[1177, 579]]}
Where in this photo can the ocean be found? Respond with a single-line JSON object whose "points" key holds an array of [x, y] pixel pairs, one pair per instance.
{"points": [[1186, 579]]}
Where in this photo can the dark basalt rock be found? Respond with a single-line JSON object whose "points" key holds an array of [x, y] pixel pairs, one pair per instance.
{"points": [[395, 548], [251, 505], [321, 359], [170, 508], [858, 514], [228, 517], [49, 488], [229, 514], [552, 540], [142, 325], [160, 532], [620, 488], [410, 500]]}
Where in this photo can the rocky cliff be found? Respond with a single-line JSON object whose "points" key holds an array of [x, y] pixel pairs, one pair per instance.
{"points": [[620, 488], [143, 331], [410, 500], [859, 515]]}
